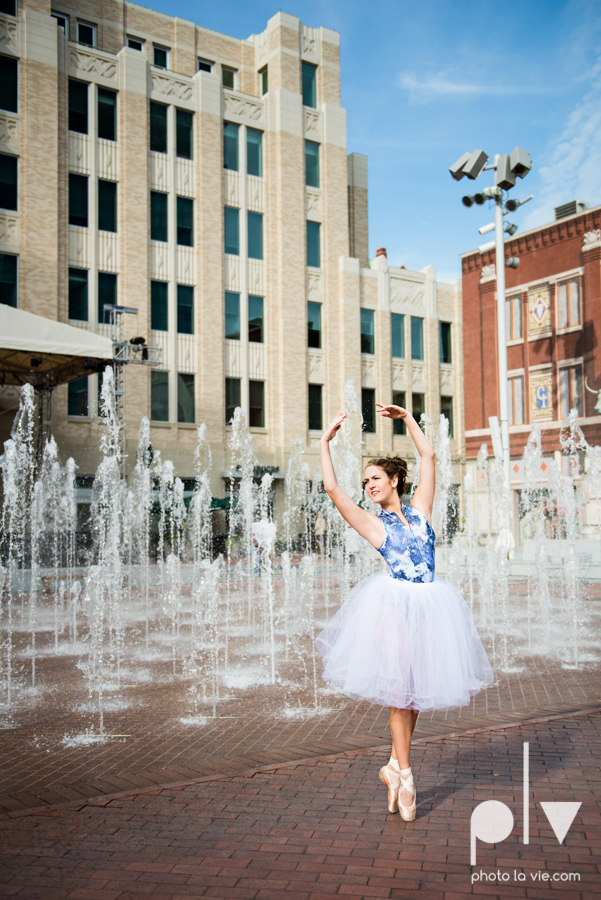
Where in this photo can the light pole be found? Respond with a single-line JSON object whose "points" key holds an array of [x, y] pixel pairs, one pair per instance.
{"points": [[506, 168]]}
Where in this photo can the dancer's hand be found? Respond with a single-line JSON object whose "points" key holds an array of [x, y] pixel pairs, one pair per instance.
{"points": [[393, 412], [333, 427]]}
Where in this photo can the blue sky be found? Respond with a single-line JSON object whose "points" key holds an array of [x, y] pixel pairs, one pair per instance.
{"points": [[423, 82]]}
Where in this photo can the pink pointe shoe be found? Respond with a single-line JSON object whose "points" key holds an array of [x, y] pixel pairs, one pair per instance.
{"points": [[392, 780], [407, 812]]}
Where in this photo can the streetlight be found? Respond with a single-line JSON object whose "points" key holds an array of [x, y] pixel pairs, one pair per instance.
{"points": [[507, 168]]}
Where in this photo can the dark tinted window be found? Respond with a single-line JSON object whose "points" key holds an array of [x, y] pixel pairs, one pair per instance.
{"points": [[185, 309], [159, 396], [78, 294], [309, 92], [256, 404], [107, 295], [78, 200], [159, 317], [9, 95], [230, 146], [255, 319], [368, 408], [158, 216], [185, 221], [183, 133], [8, 279], [315, 410], [78, 397], [8, 181], [107, 114], [314, 324], [78, 106], [232, 397], [107, 205], [311, 164], [158, 128]]}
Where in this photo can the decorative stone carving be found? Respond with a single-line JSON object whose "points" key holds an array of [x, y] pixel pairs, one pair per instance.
{"points": [[86, 61], [418, 375], [107, 159], [9, 229], [255, 276], [256, 360], [107, 251], [159, 260], [79, 254], [446, 380], [488, 273], [398, 375], [368, 371], [591, 240], [79, 145], [9, 132], [260, 49], [314, 284], [9, 35], [316, 366], [254, 193], [160, 172], [185, 177], [185, 353], [309, 42], [172, 87], [232, 273], [185, 265], [233, 360], [312, 123], [405, 293], [314, 204], [246, 109]]}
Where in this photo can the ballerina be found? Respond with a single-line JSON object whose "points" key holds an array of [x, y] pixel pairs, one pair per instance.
{"points": [[403, 639]]}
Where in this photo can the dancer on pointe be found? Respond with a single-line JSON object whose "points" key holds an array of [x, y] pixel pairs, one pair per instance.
{"points": [[403, 639]]}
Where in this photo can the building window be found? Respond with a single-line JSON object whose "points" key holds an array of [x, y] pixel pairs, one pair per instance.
{"points": [[78, 398], [255, 235], [159, 315], [309, 80], [8, 182], [417, 338], [62, 21], [160, 56], [256, 404], [313, 249], [232, 398], [515, 400], [186, 412], [418, 406], [513, 317], [446, 352], [399, 398], [185, 221], [315, 407], [86, 34], [78, 294], [311, 164], [263, 81], [158, 216], [228, 77], [158, 128], [78, 106], [314, 324], [368, 408], [232, 230], [8, 7], [568, 303], [205, 65], [254, 152], [135, 43], [255, 319], [107, 114], [185, 309], [9, 77], [397, 332], [446, 409], [78, 200], [107, 295], [159, 396], [570, 390], [230, 146], [232, 316], [107, 205], [8, 279], [367, 331], [183, 133]]}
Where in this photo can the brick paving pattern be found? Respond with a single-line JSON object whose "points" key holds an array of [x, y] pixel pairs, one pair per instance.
{"points": [[319, 828]]}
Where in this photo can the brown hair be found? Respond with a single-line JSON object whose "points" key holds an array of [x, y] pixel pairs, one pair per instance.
{"points": [[395, 467]]}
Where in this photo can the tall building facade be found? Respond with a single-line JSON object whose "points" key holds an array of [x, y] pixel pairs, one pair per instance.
{"points": [[204, 181]]}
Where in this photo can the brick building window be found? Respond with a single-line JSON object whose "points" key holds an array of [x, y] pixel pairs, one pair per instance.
{"points": [[158, 127], [314, 324], [232, 316], [399, 398], [78, 398], [513, 317], [160, 56], [107, 205], [232, 230], [9, 73], [159, 396], [397, 334], [309, 85], [8, 7], [254, 152], [230, 146], [86, 34], [515, 400], [263, 81], [107, 114], [135, 43], [568, 303], [62, 21], [78, 106], [8, 279], [205, 65], [367, 331], [228, 77], [185, 309], [446, 351], [418, 407], [570, 390], [446, 409], [311, 164], [184, 121], [158, 216], [417, 337], [255, 235], [255, 319], [185, 221], [256, 404], [78, 294], [313, 248], [107, 295], [368, 408], [8, 182], [186, 412], [315, 407], [159, 310], [78, 200], [232, 397]]}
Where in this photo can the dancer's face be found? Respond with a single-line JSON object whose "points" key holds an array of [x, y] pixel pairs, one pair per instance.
{"points": [[380, 488]]}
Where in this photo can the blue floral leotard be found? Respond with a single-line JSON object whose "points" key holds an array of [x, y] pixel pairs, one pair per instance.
{"points": [[409, 552]]}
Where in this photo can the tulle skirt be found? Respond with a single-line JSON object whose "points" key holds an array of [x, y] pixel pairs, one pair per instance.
{"points": [[402, 644]]}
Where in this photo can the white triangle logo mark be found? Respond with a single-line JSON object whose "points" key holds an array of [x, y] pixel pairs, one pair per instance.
{"points": [[561, 816]]}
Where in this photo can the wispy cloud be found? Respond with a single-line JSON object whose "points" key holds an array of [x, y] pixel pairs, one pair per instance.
{"points": [[443, 85], [569, 168]]}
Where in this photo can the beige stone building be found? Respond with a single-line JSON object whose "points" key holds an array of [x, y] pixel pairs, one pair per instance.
{"points": [[204, 181]]}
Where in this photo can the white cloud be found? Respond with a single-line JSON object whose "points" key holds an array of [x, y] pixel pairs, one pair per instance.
{"points": [[443, 85], [570, 168]]}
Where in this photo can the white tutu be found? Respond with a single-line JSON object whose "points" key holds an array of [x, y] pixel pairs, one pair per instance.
{"points": [[402, 644]]}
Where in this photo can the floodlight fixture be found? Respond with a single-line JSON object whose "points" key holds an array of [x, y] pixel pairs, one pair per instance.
{"points": [[456, 169], [512, 262], [504, 177], [479, 199], [486, 228], [520, 162], [475, 164], [512, 204], [510, 228], [484, 248], [467, 201]]}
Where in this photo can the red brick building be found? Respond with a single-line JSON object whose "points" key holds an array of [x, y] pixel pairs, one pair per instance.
{"points": [[553, 316]]}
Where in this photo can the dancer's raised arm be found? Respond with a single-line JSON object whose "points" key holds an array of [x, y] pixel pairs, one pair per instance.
{"points": [[423, 499], [367, 525]]}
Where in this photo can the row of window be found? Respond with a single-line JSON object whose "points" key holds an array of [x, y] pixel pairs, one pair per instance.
{"points": [[78, 398], [254, 152], [568, 309], [397, 330], [570, 396]]}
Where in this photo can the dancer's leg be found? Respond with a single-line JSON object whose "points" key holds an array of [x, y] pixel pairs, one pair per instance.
{"points": [[402, 724]]}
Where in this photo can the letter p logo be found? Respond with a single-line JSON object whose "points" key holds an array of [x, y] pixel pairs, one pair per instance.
{"points": [[491, 821]]}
